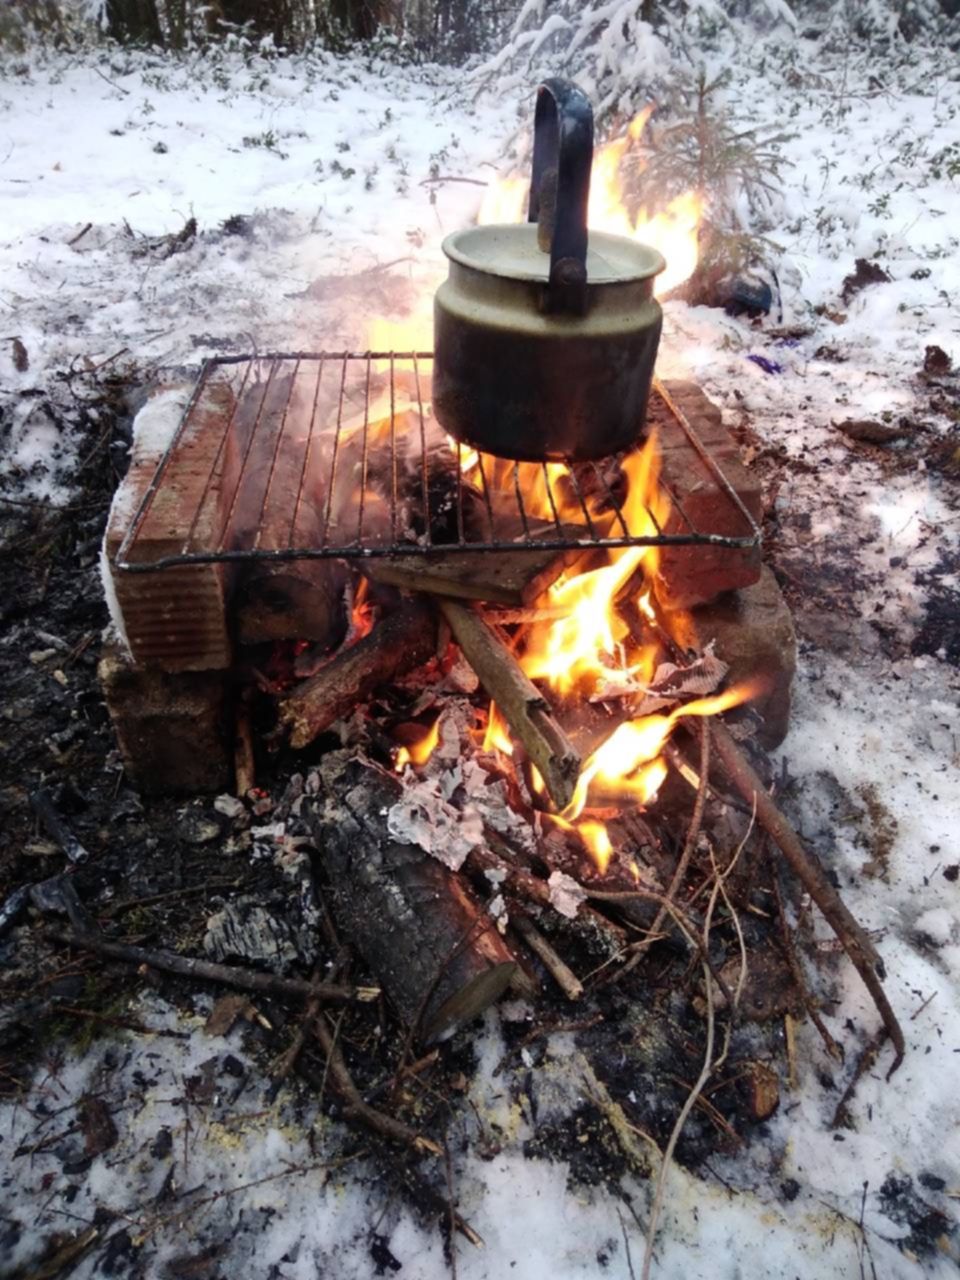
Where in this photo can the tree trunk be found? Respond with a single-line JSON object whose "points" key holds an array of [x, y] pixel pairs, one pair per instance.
{"points": [[134, 21]]}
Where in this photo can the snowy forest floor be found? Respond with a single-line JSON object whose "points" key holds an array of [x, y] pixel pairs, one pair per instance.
{"points": [[318, 193]]}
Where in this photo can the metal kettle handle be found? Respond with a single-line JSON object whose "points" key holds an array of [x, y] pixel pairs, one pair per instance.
{"points": [[560, 189]]}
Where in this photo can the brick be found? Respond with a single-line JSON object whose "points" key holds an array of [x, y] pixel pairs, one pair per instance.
{"points": [[175, 618], [171, 727], [694, 575], [754, 635]]}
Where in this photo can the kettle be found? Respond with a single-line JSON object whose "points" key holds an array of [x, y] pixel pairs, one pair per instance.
{"points": [[545, 334]]}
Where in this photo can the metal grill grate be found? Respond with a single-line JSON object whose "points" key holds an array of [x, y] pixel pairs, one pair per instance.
{"points": [[298, 456]]}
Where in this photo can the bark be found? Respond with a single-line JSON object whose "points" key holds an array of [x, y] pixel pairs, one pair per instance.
{"points": [[521, 703], [403, 640], [419, 927]]}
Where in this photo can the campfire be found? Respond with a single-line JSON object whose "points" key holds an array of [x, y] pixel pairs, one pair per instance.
{"points": [[495, 682]]}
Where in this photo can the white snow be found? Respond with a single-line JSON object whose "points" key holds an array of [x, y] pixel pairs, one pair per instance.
{"points": [[159, 141]]}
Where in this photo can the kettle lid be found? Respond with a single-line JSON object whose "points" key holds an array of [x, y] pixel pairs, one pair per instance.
{"points": [[511, 252]]}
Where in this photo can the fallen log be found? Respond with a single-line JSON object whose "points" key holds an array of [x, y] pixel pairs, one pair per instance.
{"points": [[421, 930], [405, 639], [519, 701]]}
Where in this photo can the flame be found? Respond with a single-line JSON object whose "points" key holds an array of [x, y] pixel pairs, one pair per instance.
{"points": [[594, 835], [629, 760], [673, 231], [497, 737], [362, 613], [419, 752], [413, 333], [577, 649]]}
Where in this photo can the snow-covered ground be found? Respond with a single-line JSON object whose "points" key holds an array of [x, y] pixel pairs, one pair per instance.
{"points": [[338, 169]]}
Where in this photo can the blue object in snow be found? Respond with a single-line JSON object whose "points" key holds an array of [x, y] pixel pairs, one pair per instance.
{"points": [[747, 294], [768, 366]]}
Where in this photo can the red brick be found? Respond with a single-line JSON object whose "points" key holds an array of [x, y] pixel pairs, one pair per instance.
{"points": [[753, 632], [692, 575], [175, 618], [171, 727]]}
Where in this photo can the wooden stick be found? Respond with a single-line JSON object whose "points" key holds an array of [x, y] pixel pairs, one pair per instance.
{"points": [[244, 760], [208, 971], [563, 976], [522, 705], [356, 1108], [403, 640], [524, 884], [851, 933]]}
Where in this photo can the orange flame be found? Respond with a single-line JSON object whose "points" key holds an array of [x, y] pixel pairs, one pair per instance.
{"points": [[674, 231], [595, 837], [497, 737], [629, 760], [362, 613], [419, 752], [576, 650]]}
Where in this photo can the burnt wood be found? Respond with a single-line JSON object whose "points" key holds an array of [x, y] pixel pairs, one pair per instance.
{"points": [[521, 703], [420, 928], [405, 639]]}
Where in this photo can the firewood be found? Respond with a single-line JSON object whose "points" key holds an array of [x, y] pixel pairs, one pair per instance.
{"points": [[419, 927], [522, 705], [291, 600], [405, 639], [512, 577]]}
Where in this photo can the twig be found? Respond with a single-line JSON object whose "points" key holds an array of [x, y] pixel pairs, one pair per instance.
{"points": [[208, 971], [448, 1169], [71, 1252], [685, 1110], [709, 1066], [693, 834], [648, 895], [288, 1059], [796, 970], [125, 1024], [245, 770], [474, 182], [356, 1108], [867, 1058], [851, 933], [917, 1012], [113, 84], [562, 974], [79, 236]]}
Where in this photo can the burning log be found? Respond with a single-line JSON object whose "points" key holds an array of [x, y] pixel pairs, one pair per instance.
{"points": [[437, 953], [520, 702], [403, 640]]}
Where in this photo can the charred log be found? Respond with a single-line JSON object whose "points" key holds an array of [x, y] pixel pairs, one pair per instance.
{"points": [[404, 639], [420, 929]]}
